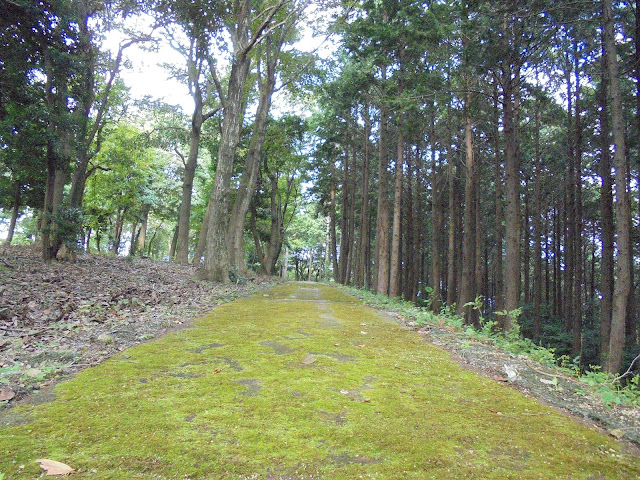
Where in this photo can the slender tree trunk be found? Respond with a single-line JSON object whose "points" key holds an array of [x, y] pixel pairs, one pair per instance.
{"points": [[395, 273], [499, 269], [345, 232], [332, 224], [576, 324], [468, 287], [364, 240], [452, 289], [383, 215], [569, 212], [512, 196], [15, 211], [437, 225], [142, 235], [202, 238], [134, 239], [173, 244], [182, 248], [537, 231], [117, 231], [526, 248], [623, 207]]}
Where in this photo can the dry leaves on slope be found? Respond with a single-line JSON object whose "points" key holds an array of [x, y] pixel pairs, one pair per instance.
{"points": [[53, 468]]}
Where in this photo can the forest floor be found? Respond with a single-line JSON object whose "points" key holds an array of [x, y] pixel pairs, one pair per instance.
{"points": [[299, 382], [59, 318]]}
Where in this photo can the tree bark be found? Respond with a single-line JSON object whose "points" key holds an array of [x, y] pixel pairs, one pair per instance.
{"points": [[142, 235], [15, 211], [622, 205], [452, 289], [512, 196], [468, 287], [251, 169], [332, 224], [537, 231], [395, 268], [383, 213], [576, 321], [197, 119], [364, 242], [437, 224], [217, 257], [202, 238], [243, 39], [499, 237]]}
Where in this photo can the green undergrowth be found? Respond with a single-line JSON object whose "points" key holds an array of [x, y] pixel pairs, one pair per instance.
{"points": [[596, 381], [300, 382]]}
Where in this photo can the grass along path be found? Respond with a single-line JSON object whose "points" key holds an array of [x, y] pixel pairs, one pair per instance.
{"points": [[301, 382]]}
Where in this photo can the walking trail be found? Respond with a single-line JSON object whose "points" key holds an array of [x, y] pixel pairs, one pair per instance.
{"points": [[301, 382]]}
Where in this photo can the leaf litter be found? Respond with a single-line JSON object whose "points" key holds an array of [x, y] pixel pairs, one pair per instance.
{"points": [[59, 318]]}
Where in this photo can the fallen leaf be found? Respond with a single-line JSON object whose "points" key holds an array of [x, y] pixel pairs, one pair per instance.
{"points": [[217, 370], [308, 360], [366, 400], [6, 394], [361, 345], [495, 411], [53, 468], [502, 379], [616, 433]]}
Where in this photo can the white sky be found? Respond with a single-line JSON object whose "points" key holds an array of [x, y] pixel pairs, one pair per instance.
{"points": [[148, 77]]}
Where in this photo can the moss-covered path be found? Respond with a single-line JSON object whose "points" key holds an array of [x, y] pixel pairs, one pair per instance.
{"points": [[302, 382]]}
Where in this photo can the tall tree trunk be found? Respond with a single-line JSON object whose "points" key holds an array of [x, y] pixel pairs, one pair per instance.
{"points": [[395, 268], [570, 214], [251, 169], [197, 119], [216, 262], [468, 287], [512, 196], [364, 241], [576, 323], [345, 227], [526, 248], [537, 231], [499, 270], [623, 206], [383, 214], [452, 288], [437, 225], [332, 224]]}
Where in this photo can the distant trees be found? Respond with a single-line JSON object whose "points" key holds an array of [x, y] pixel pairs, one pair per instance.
{"points": [[498, 117]]}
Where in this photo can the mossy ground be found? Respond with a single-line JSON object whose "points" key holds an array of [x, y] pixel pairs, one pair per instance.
{"points": [[302, 382]]}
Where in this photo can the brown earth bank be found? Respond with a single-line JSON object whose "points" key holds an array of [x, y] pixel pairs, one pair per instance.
{"points": [[58, 318]]}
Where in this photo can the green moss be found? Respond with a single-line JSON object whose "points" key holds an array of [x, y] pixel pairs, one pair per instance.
{"points": [[232, 399]]}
